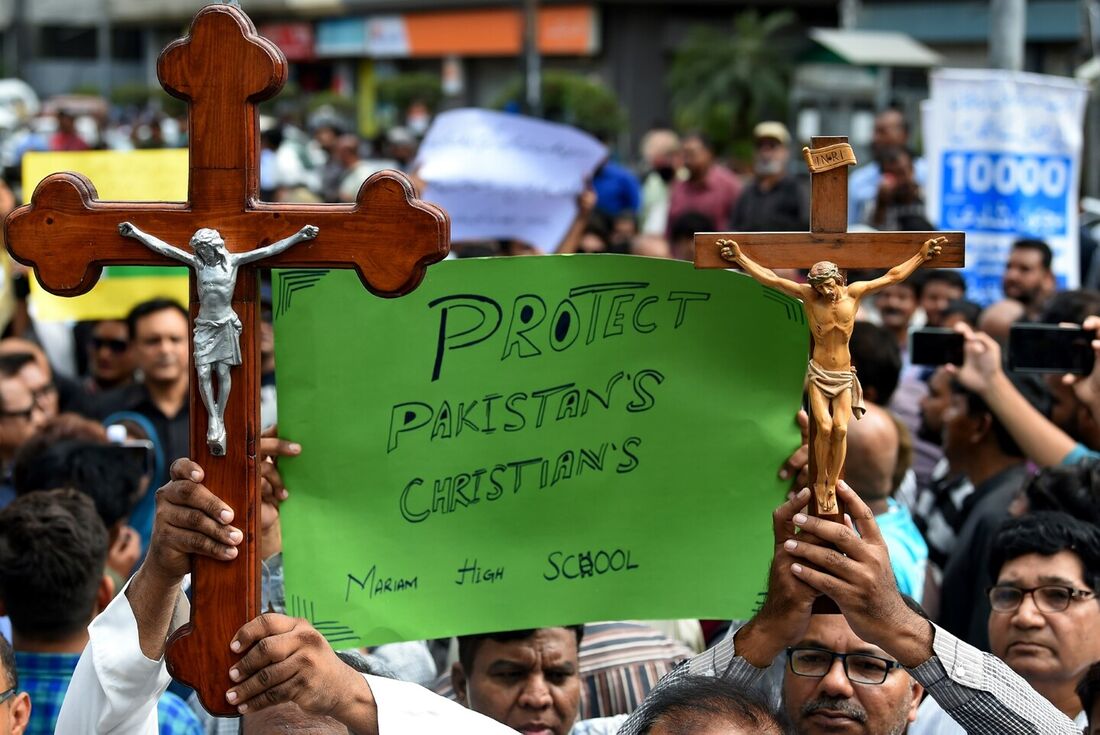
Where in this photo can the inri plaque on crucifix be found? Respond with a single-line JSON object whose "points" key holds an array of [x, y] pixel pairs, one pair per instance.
{"points": [[223, 69]]}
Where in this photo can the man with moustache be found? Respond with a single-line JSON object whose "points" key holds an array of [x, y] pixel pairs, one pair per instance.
{"points": [[1045, 622], [862, 672], [774, 201], [1029, 275]]}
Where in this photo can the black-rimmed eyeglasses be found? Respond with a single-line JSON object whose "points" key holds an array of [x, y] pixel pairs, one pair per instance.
{"points": [[1047, 597], [860, 668], [25, 415]]}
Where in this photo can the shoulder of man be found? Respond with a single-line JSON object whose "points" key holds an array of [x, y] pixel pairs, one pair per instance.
{"points": [[102, 405], [176, 718], [599, 725]]}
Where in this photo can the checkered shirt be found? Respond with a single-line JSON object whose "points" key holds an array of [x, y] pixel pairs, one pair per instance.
{"points": [[45, 677], [977, 689]]}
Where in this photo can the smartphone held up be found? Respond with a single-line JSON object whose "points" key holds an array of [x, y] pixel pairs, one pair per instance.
{"points": [[1032, 348]]}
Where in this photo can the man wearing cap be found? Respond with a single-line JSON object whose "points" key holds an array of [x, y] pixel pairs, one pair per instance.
{"points": [[775, 201]]}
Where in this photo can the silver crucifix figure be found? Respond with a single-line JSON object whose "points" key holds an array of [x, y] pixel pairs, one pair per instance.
{"points": [[217, 326]]}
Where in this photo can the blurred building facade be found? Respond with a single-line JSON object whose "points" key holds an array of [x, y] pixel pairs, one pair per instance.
{"points": [[62, 45]]}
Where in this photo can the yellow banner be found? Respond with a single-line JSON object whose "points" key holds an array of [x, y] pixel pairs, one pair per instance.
{"points": [[155, 175]]}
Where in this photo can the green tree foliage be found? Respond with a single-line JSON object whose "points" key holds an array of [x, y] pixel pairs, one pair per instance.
{"points": [[723, 83], [334, 102], [402, 90], [573, 99]]}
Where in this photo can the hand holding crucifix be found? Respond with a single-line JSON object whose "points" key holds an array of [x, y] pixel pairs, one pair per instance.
{"points": [[217, 340], [224, 69], [834, 390]]}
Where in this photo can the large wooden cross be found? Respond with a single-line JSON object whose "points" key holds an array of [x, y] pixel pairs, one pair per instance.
{"points": [[223, 69], [828, 239]]}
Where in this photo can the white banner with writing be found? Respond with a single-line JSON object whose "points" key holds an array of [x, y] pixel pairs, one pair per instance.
{"points": [[502, 176], [1004, 161]]}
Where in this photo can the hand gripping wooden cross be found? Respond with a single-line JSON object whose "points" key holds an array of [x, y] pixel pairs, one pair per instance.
{"points": [[224, 69], [830, 303]]}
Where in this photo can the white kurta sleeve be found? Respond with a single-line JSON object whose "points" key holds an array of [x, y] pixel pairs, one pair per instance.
{"points": [[405, 708], [115, 688]]}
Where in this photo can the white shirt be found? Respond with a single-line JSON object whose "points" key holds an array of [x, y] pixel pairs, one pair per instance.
{"points": [[115, 688]]}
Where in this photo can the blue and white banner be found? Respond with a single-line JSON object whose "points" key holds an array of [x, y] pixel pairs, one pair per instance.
{"points": [[1004, 160]]}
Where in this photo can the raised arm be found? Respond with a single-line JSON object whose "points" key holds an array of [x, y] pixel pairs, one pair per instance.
{"points": [[976, 689], [930, 249], [982, 372], [731, 251], [306, 233], [158, 246]]}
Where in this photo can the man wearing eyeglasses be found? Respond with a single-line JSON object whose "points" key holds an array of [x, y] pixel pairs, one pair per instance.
{"points": [[862, 672], [1045, 619], [15, 705], [20, 416]]}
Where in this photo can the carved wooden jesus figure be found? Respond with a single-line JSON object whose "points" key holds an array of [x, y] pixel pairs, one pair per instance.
{"points": [[217, 339], [834, 390]]}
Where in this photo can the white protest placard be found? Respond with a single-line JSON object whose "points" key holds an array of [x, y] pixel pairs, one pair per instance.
{"points": [[1004, 160], [506, 177]]}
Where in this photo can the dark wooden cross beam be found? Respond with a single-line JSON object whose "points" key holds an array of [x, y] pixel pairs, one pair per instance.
{"points": [[828, 238], [223, 69]]}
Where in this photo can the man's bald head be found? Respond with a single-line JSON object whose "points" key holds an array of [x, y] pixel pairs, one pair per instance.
{"points": [[997, 319], [872, 454]]}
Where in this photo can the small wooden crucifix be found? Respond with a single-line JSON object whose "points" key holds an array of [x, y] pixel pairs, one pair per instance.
{"points": [[223, 69], [831, 304]]}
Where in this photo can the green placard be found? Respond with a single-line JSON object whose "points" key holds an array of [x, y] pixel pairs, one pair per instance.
{"points": [[524, 442]]}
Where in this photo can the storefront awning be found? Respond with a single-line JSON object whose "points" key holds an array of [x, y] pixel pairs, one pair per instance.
{"points": [[876, 48]]}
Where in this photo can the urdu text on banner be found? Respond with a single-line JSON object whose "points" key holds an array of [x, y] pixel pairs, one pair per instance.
{"points": [[1004, 161]]}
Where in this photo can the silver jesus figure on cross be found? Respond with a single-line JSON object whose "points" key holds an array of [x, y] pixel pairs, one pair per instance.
{"points": [[217, 327]]}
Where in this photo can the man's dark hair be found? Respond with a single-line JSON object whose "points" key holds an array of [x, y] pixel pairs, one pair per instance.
{"points": [[877, 360], [359, 661], [152, 306], [13, 362], [10, 365], [1089, 690], [896, 107], [688, 223], [705, 140], [940, 275], [7, 659], [1071, 306], [1038, 246], [976, 407], [895, 153], [1072, 489], [96, 323], [968, 310], [53, 548], [469, 644], [109, 475], [912, 604], [688, 704], [1046, 533]]}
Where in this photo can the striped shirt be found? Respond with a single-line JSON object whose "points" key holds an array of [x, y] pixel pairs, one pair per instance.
{"points": [[619, 664]]}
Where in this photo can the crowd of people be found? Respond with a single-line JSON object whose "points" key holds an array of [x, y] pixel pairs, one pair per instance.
{"points": [[966, 581]]}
